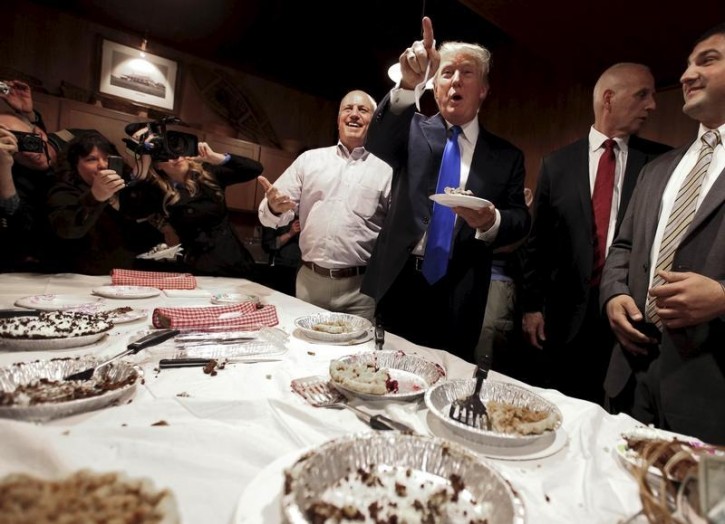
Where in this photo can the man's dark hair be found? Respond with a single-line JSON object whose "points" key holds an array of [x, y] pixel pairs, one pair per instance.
{"points": [[719, 29], [81, 146]]}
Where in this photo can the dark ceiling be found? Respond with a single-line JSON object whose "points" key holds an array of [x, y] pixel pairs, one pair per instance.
{"points": [[327, 47]]}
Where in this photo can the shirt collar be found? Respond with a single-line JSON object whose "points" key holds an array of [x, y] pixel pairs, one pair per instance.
{"points": [[702, 130], [596, 140], [469, 130], [356, 154]]}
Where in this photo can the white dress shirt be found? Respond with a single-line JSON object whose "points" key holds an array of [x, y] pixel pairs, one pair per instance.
{"points": [[341, 198], [717, 164], [596, 149]]}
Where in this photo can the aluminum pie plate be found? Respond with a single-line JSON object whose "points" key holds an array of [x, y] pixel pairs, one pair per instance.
{"points": [[418, 465], [356, 326], [438, 399], [414, 374], [233, 298], [25, 372], [44, 344]]}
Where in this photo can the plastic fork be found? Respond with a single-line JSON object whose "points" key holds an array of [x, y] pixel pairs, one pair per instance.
{"points": [[471, 410], [318, 392]]}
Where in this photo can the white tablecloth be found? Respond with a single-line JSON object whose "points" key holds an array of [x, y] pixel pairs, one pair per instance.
{"points": [[228, 436]]}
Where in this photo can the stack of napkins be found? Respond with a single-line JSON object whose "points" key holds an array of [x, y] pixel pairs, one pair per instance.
{"points": [[157, 279], [247, 316]]}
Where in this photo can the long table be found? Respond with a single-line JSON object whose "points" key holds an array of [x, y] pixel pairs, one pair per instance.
{"points": [[220, 442]]}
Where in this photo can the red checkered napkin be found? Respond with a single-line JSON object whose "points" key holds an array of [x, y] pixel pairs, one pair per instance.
{"points": [[244, 317], [157, 279]]}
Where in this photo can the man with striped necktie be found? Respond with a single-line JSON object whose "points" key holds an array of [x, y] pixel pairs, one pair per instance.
{"points": [[663, 284]]}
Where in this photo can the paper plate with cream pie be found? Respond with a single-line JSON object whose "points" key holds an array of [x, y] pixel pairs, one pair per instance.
{"points": [[458, 200], [52, 330], [384, 375]]}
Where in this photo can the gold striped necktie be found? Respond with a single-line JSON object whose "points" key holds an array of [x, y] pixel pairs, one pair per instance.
{"points": [[681, 216]]}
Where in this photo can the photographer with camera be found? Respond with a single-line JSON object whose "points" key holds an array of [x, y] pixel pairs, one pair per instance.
{"points": [[18, 97], [96, 211], [25, 177], [192, 178]]}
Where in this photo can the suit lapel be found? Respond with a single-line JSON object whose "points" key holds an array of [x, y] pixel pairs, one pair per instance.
{"points": [[579, 167], [481, 165], [635, 160], [653, 202], [710, 203], [434, 131]]}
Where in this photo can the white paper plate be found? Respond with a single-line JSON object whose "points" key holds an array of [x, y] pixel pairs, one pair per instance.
{"points": [[438, 399], [233, 298], [127, 316], [168, 253], [357, 326], [414, 374], [126, 291], [113, 314], [260, 501], [43, 344], [56, 302], [421, 464], [468, 201]]}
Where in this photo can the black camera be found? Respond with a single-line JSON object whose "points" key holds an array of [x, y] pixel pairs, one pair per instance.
{"points": [[29, 142], [160, 143]]}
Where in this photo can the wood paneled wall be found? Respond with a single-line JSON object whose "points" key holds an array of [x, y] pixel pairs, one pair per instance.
{"points": [[540, 112], [537, 110]]}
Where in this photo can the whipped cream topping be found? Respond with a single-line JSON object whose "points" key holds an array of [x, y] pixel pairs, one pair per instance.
{"points": [[54, 324]]}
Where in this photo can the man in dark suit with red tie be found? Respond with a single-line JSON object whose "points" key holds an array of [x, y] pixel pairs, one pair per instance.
{"points": [[430, 270], [581, 196]]}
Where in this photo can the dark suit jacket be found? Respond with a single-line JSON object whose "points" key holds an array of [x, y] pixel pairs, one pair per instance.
{"points": [[688, 377], [559, 253], [413, 145]]}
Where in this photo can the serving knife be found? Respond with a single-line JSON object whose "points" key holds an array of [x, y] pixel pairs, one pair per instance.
{"points": [[153, 339], [167, 363], [12, 313]]}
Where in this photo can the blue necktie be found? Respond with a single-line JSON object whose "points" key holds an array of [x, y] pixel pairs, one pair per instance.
{"points": [[440, 231]]}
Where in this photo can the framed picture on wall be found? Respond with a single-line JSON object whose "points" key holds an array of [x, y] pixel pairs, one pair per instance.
{"points": [[138, 76]]}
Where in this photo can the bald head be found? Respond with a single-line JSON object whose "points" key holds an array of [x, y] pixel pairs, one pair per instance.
{"points": [[356, 111], [623, 99]]}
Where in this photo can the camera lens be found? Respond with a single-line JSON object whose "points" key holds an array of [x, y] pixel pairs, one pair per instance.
{"points": [[181, 144], [29, 142]]}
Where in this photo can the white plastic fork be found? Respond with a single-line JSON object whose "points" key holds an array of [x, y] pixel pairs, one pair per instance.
{"points": [[320, 393]]}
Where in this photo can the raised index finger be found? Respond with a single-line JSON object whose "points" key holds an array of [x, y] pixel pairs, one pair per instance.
{"points": [[428, 37], [266, 185]]}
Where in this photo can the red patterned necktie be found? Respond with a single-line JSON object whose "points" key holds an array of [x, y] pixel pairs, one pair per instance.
{"points": [[602, 206]]}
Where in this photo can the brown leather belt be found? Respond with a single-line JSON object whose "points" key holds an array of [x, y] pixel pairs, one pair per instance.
{"points": [[345, 272]]}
